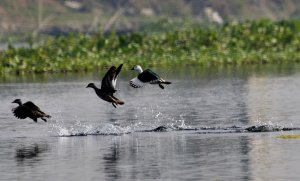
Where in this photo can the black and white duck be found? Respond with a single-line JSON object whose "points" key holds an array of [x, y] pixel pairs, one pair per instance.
{"points": [[146, 76], [108, 86], [30, 110]]}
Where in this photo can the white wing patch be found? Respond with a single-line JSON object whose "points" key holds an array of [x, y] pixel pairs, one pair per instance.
{"points": [[136, 83], [114, 82]]}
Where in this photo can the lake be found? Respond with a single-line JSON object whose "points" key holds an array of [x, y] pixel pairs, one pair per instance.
{"points": [[205, 113]]}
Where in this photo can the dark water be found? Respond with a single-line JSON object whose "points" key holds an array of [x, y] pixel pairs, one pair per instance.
{"points": [[88, 139]]}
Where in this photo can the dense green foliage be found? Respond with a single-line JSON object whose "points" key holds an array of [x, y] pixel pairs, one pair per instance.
{"points": [[252, 42]]}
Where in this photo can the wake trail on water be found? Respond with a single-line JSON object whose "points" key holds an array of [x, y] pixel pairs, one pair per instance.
{"points": [[80, 129], [84, 130]]}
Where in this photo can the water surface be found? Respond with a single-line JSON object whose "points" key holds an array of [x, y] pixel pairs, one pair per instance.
{"points": [[88, 139]]}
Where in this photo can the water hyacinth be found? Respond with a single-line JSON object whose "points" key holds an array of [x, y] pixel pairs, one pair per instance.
{"points": [[237, 43]]}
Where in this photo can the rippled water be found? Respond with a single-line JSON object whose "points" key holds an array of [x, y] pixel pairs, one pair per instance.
{"points": [[205, 113]]}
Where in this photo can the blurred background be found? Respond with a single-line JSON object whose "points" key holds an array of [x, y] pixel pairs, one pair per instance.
{"points": [[233, 65], [55, 17], [86, 35]]}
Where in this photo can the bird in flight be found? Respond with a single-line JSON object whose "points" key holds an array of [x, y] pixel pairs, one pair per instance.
{"points": [[146, 76], [28, 109], [108, 86]]}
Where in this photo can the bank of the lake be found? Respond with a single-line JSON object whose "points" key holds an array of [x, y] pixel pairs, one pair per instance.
{"points": [[235, 43]]}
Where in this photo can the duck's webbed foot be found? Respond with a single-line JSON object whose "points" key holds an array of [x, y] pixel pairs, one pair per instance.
{"points": [[161, 86], [44, 119]]}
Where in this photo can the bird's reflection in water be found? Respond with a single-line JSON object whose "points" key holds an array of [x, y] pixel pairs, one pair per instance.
{"points": [[30, 152], [111, 162]]}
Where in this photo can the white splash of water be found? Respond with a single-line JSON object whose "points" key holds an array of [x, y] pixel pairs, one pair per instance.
{"points": [[107, 129], [157, 115], [79, 129]]}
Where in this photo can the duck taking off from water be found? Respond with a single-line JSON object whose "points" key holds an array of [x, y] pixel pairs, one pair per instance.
{"points": [[146, 76], [108, 86], [29, 109]]}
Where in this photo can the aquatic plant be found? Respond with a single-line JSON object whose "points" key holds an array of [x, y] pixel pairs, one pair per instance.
{"points": [[237, 43]]}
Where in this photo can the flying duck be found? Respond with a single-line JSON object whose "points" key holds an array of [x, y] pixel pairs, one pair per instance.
{"points": [[146, 76], [29, 109], [108, 86]]}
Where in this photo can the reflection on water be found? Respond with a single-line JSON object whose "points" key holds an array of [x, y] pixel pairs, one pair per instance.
{"points": [[30, 152], [111, 163], [245, 161], [222, 99]]}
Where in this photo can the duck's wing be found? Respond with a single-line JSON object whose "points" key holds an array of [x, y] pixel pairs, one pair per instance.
{"points": [[136, 83], [147, 76], [21, 112], [114, 80], [34, 109], [109, 81], [32, 106]]}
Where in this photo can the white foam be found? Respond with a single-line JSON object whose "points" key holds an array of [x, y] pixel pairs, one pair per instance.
{"points": [[84, 130], [108, 129]]}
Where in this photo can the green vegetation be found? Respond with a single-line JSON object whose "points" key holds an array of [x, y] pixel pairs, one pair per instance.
{"points": [[251, 42]]}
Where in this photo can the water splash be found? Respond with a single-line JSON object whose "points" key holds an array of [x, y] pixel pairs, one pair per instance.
{"points": [[108, 129], [80, 129], [258, 127], [267, 127]]}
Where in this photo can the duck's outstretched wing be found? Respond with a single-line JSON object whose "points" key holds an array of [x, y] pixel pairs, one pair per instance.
{"points": [[109, 81], [148, 76], [136, 83], [32, 106], [21, 112], [35, 110]]}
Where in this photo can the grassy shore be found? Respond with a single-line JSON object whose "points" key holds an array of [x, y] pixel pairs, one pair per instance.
{"points": [[251, 42]]}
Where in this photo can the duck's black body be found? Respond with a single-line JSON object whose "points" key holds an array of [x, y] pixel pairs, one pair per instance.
{"points": [[146, 76], [108, 86], [30, 110]]}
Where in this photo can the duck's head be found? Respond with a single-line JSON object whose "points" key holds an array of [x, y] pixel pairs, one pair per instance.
{"points": [[137, 68], [17, 101], [91, 85]]}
